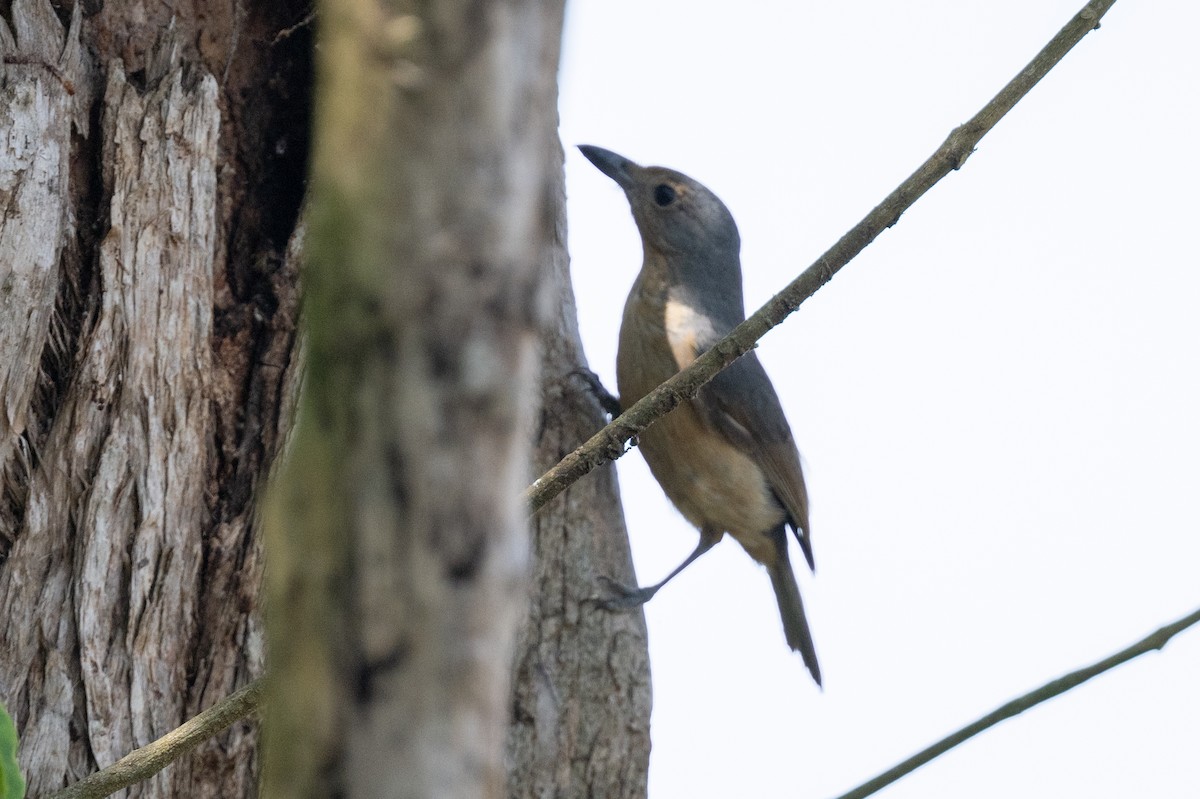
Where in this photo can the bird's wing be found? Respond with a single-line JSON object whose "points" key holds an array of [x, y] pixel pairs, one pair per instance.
{"points": [[742, 405]]}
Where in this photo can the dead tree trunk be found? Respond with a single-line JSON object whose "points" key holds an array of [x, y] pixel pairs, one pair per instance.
{"points": [[150, 179]]}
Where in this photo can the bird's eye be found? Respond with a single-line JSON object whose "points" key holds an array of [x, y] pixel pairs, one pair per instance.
{"points": [[664, 195]]}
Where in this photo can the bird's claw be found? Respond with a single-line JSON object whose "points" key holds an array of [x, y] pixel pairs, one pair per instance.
{"points": [[626, 598], [608, 401]]}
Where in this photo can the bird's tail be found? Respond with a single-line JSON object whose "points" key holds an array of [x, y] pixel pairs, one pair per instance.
{"points": [[791, 608]]}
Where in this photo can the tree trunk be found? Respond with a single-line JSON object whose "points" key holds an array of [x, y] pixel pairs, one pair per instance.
{"points": [[581, 701], [149, 184], [397, 540]]}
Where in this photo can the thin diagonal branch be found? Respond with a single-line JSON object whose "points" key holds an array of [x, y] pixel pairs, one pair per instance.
{"points": [[1156, 640], [154, 757], [609, 443]]}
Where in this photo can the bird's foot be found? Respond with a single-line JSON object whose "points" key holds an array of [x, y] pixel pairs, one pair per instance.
{"points": [[608, 401], [624, 597]]}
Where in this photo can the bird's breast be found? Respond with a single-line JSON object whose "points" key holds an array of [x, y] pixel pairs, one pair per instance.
{"points": [[712, 483]]}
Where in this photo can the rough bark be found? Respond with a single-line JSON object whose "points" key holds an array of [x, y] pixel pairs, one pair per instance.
{"points": [[148, 187], [581, 694]]}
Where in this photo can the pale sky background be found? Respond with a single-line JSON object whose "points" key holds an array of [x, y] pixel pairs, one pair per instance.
{"points": [[997, 402]]}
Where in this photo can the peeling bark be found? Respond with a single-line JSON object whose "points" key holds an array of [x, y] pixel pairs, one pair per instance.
{"points": [[147, 364], [39, 65]]}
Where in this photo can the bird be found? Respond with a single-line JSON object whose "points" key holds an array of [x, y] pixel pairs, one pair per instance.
{"points": [[726, 458]]}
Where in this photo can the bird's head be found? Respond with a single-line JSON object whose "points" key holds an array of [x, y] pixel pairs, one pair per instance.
{"points": [[675, 214]]}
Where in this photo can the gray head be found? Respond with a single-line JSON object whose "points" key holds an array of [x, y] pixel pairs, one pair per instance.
{"points": [[688, 235], [675, 214]]}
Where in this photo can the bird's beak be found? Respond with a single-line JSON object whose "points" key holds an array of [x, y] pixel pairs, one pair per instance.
{"points": [[617, 167]]}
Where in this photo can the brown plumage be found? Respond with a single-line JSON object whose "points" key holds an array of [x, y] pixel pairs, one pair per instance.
{"points": [[726, 459]]}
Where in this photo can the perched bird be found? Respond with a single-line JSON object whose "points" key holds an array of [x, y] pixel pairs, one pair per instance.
{"points": [[726, 458]]}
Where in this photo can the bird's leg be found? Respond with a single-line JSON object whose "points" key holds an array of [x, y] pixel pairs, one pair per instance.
{"points": [[607, 400], [628, 598]]}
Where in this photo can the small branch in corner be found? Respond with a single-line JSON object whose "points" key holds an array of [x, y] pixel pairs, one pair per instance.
{"points": [[286, 32], [24, 60]]}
